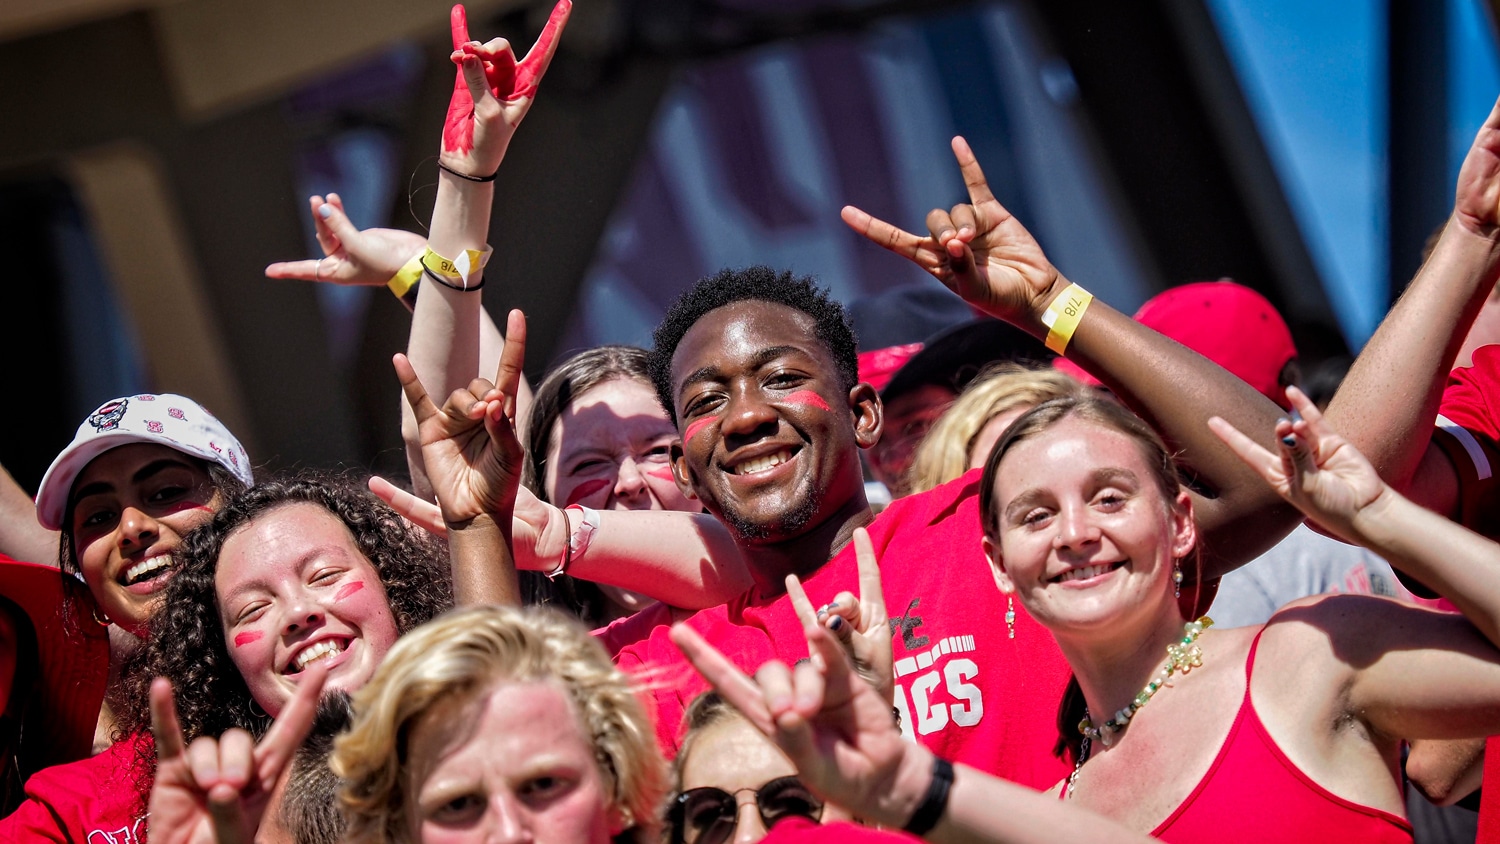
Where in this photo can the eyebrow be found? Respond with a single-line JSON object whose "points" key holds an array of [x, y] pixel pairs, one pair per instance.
{"points": [[760, 359], [310, 555], [1097, 478], [145, 472]]}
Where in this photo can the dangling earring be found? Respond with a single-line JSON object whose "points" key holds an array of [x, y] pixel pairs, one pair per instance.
{"points": [[1177, 578], [255, 710], [101, 620], [1010, 615]]}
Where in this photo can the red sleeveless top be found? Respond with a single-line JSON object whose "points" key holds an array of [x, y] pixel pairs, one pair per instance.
{"points": [[1254, 793]]}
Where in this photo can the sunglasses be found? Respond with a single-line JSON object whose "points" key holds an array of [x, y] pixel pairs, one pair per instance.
{"points": [[709, 815]]}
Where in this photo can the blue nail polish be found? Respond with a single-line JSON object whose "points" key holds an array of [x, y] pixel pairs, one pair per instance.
{"points": [[1290, 441], [325, 211], [837, 623]]}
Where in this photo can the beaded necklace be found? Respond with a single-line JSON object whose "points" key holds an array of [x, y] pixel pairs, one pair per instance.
{"points": [[1182, 656]]}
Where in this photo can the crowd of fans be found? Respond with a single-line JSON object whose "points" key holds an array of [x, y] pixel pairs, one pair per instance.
{"points": [[773, 580]]}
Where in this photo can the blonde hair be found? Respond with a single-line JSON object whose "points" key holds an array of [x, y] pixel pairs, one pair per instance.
{"points": [[944, 453], [463, 654]]}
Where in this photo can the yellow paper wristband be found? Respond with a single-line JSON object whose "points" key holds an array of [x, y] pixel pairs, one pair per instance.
{"points": [[451, 268], [407, 277], [1063, 314]]}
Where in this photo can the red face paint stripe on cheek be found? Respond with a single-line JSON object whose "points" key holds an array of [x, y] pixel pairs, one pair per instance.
{"points": [[697, 425], [585, 489], [348, 589], [243, 639], [663, 472], [807, 397]]}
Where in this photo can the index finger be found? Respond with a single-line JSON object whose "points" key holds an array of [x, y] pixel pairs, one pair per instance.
{"points": [[968, 165], [883, 234], [164, 724], [1266, 464], [871, 592], [740, 691], [530, 70], [512, 358], [290, 728], [458, 21], [800, 602]]}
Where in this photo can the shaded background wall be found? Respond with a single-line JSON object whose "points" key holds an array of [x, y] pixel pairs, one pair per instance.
{"points": [[157, 154]]}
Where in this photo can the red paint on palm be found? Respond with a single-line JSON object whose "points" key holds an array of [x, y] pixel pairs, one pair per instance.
{"points": [[508, 79], [697, 425], [348, 589], [247, 638], [585, 489], [807, 397]]}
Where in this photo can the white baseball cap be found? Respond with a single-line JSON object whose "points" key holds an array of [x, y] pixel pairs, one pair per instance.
{"points": [[164, 418]]}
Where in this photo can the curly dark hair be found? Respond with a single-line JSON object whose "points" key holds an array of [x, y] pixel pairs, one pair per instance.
{"points": [[186, 642], [565, 382], [765, 284]]}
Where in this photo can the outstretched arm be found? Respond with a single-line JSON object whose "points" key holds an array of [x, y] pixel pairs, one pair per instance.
{"points": [[981, 252], [1409, 672], [1387, 403], [491, 96], [838, 731]]}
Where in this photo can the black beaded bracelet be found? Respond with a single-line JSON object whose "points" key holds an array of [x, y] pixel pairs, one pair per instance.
{"points": [[935, 802], [447, 169], [450, 285]]}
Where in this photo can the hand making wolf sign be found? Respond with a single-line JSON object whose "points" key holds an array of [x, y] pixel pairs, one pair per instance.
{"points": [[492, 92]]}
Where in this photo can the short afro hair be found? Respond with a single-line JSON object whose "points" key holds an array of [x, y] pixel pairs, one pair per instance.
{"points": [[765, 284]]}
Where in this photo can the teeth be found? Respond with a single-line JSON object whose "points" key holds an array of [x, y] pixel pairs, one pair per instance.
{"points": [[322, 650], [136, 572], [1085, 573], [760, 464]]}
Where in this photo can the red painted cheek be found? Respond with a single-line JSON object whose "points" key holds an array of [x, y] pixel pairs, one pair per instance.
{"points": [[250, 638], [585, 489], [697, 425], [663, 473], [807, 397], [348, 589]]}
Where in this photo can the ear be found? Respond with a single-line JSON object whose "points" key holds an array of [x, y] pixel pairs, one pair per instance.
{"points": [[681, 472], [997, 566], [1184, 526], [869, 414]]}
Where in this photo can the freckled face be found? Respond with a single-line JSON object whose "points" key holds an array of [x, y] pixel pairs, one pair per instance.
{"points": [[1086, 539], [611, 450], [131, 507], [294, 588], [770, 436], [514, 765], [908, 418]]}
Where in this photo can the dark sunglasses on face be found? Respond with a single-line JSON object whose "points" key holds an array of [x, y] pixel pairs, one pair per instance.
{"points": [[709, 815]]}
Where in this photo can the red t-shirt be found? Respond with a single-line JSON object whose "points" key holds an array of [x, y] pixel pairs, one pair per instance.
{"points": [[798, 830], [632, 628], [91, 801], [1468, 431], [963, 687]]}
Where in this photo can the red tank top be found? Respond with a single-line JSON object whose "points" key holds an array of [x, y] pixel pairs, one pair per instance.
{"points": [[1254, 793]]}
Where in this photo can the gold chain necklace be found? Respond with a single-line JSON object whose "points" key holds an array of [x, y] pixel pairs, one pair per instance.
{"points": [[1182, 656]]}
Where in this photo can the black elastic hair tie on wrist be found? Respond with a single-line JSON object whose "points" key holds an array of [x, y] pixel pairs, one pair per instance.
{"points": [[447, 169], [935, 802], [450, 285]]}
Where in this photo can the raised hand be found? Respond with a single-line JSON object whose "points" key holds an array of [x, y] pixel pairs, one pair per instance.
{"points": [[859, 622], [469, 446], [1316, 469], [1477, 203], [835, 727], [216, 790], [492, 92], [979, 250], [537, 535], [350, 256]]}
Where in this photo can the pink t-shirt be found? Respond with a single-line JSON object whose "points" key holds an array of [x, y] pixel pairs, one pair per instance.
{"points": [[963, 687]]}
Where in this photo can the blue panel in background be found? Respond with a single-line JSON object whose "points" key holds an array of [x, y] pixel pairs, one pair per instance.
{"points": [[1473, 76]]}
